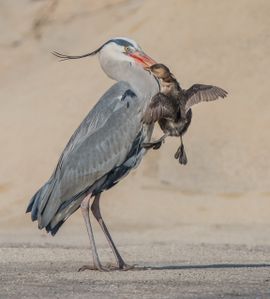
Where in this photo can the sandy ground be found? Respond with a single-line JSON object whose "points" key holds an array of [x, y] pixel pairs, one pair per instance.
{"points": [[204, 227], [184, 262]]}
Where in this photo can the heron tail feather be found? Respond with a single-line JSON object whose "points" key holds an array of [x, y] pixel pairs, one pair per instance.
{"points": [[35, 202], [46, 207]]}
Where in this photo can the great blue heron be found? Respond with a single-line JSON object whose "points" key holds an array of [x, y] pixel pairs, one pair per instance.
{"points": [[171, 107], [104, 148]]}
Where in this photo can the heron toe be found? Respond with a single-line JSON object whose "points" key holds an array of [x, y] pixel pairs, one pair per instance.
{"points": [[124, 267], [127, 267], [93, 268], [109, 267]]}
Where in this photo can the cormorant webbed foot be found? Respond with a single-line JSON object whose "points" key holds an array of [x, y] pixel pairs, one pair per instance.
{"points": [[183, 156], [154, 145], [181, 153]]}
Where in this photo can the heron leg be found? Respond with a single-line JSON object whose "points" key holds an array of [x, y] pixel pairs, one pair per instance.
{"points": [[96, 212], [155, 144], [85, 213]]}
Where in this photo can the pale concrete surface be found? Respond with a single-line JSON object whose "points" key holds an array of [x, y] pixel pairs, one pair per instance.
{"points": [[184, 262]]}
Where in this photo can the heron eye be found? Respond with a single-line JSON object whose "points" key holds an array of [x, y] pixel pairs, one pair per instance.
{"points": [[128, 49]]}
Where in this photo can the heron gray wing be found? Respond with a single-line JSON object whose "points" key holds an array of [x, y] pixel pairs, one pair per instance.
{"points": [[97, 117], [159, 107], [203, 93], [101, 143]]}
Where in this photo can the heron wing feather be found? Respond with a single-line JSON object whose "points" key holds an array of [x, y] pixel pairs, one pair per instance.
{"points": [[101, 143]]}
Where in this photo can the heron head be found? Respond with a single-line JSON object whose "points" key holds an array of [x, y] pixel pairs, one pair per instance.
{"points": [[116, 53], [120, 55], [124, 49]]}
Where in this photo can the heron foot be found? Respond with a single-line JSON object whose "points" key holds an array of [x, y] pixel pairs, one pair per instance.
{"points": [[93, 268], [122, 267], [126, 267], [109, 267]]}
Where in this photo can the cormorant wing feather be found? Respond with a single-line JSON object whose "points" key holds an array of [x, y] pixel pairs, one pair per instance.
{"points": [[198, 93], [160, 107]]}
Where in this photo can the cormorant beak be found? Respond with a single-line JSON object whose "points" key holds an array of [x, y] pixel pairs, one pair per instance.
{"points": [[142, 58]]}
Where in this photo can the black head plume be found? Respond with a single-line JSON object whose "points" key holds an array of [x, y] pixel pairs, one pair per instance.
{"points": [[118, 41], [68, 57]]}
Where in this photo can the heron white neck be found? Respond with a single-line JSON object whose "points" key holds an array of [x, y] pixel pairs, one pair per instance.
{"points": [[141, 81]]}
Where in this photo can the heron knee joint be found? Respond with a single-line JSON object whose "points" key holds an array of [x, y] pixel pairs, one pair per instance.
{"points": [[85, 204]]}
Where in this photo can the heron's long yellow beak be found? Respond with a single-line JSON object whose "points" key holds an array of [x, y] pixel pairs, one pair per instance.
{"points": [[142, 58]]}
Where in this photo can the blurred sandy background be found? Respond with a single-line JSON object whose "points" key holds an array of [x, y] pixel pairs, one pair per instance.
{"points": [[225, 43], [221, 197]]}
